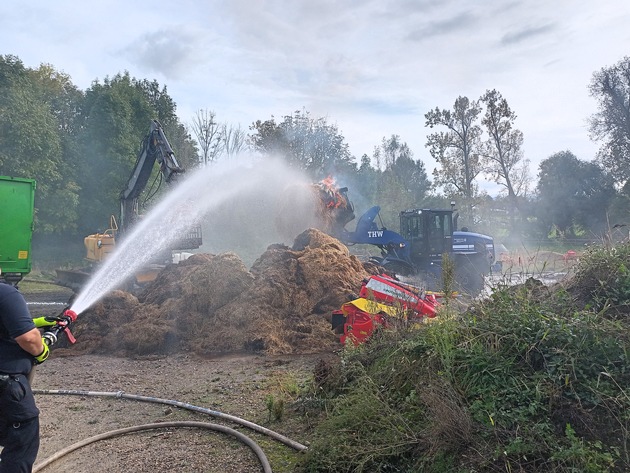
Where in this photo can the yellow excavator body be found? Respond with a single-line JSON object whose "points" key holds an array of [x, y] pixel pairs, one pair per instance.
{"points": [[99, 245]]}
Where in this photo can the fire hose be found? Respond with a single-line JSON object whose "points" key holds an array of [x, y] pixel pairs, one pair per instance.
{"points": [[121, 395], [52, 327], [55, 325], [159, 425]]}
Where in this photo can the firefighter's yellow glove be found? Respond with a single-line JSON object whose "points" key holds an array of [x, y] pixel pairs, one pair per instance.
{"points": [[43, 356], [42, 322]]}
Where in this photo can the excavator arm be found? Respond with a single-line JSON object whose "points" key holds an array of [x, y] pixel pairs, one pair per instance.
{"points": [[155, 147]]}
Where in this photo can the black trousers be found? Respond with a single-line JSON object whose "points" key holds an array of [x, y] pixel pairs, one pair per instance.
{"points": [[19, 426]]}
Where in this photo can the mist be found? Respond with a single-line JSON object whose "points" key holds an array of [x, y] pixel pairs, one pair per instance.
{"points": [[274, 208], [243, 205]]}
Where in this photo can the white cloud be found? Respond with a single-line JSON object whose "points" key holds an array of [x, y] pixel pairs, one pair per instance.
{"points": [[374, 68]]}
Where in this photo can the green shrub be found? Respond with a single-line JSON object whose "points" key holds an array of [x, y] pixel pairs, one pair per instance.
{"points": [[530, 379]]}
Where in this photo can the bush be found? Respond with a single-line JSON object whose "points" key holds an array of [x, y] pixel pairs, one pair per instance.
{"points": [[526, 381]]}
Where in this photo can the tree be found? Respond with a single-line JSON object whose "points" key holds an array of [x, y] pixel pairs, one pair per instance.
{"points": [[118, 114], [611, 124], [58, 207], [311, 145], [390, 150], [572, 194], [209, 135], [216, 139], [457, 150], [402, 184], [234, 139], [38, 110], [183, 145], [503, 149], [164, 109], [160, 102]]}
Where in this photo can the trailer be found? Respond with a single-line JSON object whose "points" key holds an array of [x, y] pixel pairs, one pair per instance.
{"points": [[17, 211]]}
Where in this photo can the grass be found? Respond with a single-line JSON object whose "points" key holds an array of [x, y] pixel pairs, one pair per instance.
{"points": [[33, 286], [526, 380]]}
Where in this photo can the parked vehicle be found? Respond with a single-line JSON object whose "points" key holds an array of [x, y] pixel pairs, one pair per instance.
{"points": [[17, 204], [155, 148]]}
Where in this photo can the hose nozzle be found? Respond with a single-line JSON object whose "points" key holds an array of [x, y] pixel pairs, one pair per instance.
{"points": [[71, 314]]}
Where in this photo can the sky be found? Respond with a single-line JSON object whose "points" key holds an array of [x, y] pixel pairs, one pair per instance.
{"points": [[373, 68]]}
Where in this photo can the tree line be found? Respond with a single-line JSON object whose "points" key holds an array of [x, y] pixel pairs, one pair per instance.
{"points": [[81, 145]]}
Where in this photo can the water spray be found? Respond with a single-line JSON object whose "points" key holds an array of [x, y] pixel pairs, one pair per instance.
{"points": [[191, 199]]}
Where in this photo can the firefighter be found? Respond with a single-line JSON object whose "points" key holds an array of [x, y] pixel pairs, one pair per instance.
{"points": [[21, 347]]}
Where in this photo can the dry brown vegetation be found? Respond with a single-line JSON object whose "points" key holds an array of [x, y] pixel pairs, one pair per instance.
{"points": [[212, 304]]}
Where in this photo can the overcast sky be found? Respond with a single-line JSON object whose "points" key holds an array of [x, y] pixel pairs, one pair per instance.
{"points": [[373, 68]]}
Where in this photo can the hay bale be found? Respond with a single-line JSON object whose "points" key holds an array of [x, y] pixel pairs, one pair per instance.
{"points": [[150, 331], [316, 275], [99, 328], [212, 304], [287, 310], [202, 283]]}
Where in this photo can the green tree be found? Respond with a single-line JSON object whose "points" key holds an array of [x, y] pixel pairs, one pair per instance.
{"points": [[38, 118], [458, 149], [572, 195], [412, 176], [363, 185], [184, 146], [58, 207], [611, 124], [118, 114], [503, 149], [366, 172], [165, 109], [403, 183], [308, 144]]}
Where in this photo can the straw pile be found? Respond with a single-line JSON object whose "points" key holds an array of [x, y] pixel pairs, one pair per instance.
{"points": [[212, 304]]}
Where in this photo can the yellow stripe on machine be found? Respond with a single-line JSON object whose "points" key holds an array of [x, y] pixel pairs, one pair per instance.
{"points": [[372, 307]]}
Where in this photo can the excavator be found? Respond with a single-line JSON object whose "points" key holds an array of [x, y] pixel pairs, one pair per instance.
{"points": [[425, 237], [155, 148]]}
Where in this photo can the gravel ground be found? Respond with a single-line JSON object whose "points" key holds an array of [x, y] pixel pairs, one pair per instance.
{"points": [[235, 385], [238, 385]]}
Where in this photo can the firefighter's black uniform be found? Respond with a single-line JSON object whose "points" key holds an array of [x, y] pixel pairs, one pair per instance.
{"points": [[19, 416]]}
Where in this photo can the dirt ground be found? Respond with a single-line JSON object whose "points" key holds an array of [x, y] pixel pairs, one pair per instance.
{"points": [[239, 385], [209, 333]]}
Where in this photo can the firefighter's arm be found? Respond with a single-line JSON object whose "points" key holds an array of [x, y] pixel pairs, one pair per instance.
{"points": [[33, 343]]}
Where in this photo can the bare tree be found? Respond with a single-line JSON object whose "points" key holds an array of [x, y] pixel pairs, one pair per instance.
{"points": [[233, 139], [457, 150], [611, 125], [503, 150], [209, 135]]}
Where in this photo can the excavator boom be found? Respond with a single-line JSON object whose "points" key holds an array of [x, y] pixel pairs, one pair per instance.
{"points": [[155, 148]]}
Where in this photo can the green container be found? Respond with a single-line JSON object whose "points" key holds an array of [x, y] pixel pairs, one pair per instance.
{"points": [[17, 200]]}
